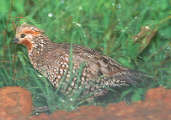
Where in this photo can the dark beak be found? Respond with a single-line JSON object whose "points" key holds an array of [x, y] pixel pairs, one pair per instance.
{"points": [[16, 40]]}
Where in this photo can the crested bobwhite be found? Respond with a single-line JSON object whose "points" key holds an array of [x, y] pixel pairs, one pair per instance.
{"points": [[61, 62]]}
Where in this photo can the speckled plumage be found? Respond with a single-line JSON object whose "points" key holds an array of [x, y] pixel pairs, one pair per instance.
{"points": [[52, 60]]}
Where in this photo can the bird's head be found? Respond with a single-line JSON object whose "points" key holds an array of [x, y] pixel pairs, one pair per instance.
{"points": [[26, 34]]}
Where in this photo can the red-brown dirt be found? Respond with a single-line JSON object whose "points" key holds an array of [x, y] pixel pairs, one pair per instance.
{"points": [[15, 103], [157, 106]]}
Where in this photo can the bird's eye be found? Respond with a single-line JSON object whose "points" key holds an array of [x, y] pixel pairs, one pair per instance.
{"points": [[22, 35]]}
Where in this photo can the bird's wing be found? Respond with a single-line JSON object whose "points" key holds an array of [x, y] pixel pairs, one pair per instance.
{"points": [[110, 71], [98, 63]]}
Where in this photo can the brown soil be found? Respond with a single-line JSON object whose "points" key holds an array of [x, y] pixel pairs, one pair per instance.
{"points": [[15, 103], [157, 106]]}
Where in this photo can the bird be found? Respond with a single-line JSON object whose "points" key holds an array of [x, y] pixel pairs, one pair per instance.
{"points": [[74, 67]]}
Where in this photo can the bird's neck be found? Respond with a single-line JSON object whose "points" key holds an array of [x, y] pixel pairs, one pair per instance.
{"points": [[39, 48]]}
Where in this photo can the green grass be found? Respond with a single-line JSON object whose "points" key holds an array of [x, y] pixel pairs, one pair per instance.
{"points": [[108, 26]]}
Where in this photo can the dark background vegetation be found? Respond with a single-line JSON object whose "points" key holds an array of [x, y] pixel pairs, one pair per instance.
{"points": [[136, 33]]}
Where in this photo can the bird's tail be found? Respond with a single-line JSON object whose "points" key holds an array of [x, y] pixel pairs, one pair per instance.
{"points": [[129, 77]]}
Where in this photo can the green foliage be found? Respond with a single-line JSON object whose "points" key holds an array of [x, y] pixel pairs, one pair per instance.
{"points": [[107, 26]]}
